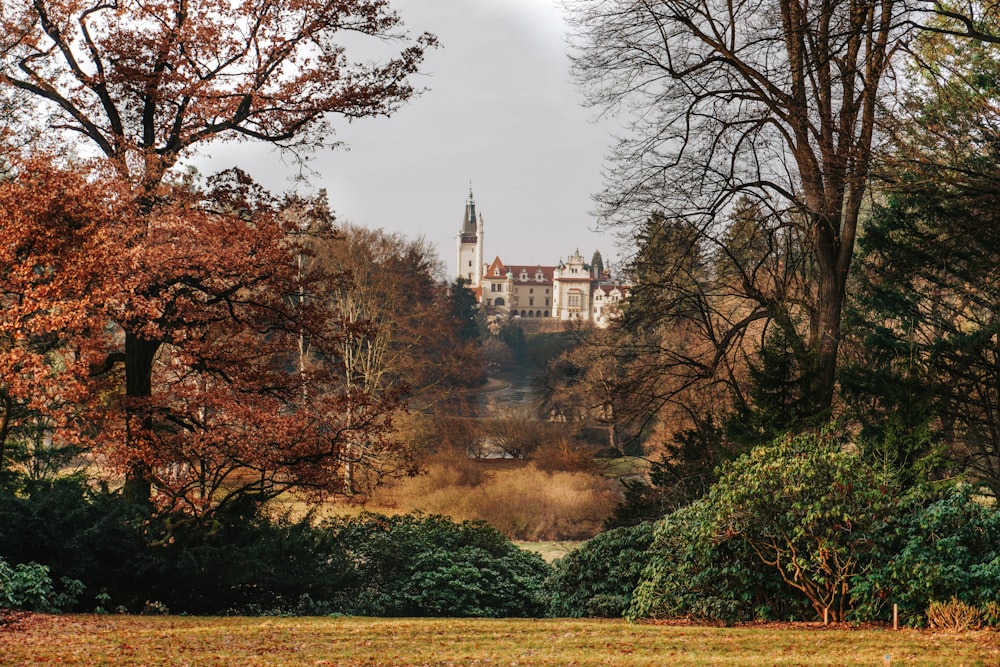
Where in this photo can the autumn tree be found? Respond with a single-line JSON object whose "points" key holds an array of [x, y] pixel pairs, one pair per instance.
{"points": [[52, 254], [774, 102], [147, 84], [387, 293], [395, 284]]}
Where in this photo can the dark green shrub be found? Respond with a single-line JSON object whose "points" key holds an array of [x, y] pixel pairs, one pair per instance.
{"points": [[242, 561], [417, 565], [809, 506], [249, 563], [78, 533], [939, 546], [598, 577], [245, 563], [693, 573], [28, 586]]}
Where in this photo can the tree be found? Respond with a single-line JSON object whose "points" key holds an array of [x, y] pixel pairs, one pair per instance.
{"points": [[926, 316], [775, 102], [585, 385], [400, 340], [148, 83], [51, 326], [234, 413], [465, 309]]}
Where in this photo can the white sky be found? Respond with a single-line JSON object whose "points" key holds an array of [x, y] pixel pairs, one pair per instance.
{"points": [[500, 111]]}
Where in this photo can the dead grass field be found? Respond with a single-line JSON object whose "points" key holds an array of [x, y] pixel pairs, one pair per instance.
{"points": [[353, 642]]}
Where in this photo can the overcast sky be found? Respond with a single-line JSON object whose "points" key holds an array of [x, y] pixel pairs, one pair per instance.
{"points": [[500, 111]]}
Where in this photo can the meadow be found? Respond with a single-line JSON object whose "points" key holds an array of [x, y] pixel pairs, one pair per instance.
{"points": [[160, 641]]}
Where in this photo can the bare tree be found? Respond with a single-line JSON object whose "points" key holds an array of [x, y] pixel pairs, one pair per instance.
{"points": [[773, 101]]}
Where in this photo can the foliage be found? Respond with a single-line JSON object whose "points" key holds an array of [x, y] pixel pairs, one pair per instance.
{"points": [[926, 311], [52, 260], [778, 392], [939, 545], [585, 385], [388, 290], [250, 563], [598, 577], [464, 309], [693, 572], [418, 565], [28, 586], [78, 533], [808, 506]]}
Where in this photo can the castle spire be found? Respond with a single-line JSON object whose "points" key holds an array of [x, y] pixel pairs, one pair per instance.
{"points": [[469, 221]]}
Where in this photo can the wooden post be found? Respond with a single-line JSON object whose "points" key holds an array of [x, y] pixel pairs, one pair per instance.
{"points": [[826, 616], [895, 616], [887, 660]]}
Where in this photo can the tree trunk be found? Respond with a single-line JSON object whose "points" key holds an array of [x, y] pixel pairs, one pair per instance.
{"points": [[139, 356], [8, 405]]}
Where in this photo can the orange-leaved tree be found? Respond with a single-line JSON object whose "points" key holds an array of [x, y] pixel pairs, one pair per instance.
{"points": [[52, 240], [146, 83]]}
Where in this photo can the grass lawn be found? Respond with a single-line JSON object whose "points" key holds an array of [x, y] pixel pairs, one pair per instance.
{"points": [[550, 551], [355, 642]]}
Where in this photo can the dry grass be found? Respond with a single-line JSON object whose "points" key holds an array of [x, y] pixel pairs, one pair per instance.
{"points": [[520, 500], [124, 641]]}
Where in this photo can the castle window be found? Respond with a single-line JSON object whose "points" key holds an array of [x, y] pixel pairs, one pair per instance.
{"points": [[496, 272], [574, 300], [546, 313], [531, 290], [531, 301], [499, 301]]}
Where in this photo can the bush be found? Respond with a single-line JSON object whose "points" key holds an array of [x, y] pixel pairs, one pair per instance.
{"points": [[246, 562], [78, 533], [939, 545], [691, 574], [418, 565], [28, 586], [598, 577], [809, 506], [953, 615]]}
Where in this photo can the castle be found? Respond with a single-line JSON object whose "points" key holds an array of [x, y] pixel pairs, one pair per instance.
{"points": [[571, 291]]}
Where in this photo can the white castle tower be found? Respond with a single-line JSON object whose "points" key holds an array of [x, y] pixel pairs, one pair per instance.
{"points": [[470, 245]]}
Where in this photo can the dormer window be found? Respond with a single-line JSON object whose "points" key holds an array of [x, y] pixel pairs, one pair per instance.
{"points": [[496, 272]]}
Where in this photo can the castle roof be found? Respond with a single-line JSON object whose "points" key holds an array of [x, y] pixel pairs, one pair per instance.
{"points": [[469, 220]]}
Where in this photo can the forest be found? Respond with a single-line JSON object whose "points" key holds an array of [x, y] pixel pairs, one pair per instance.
{"points": [[192, 368]]}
